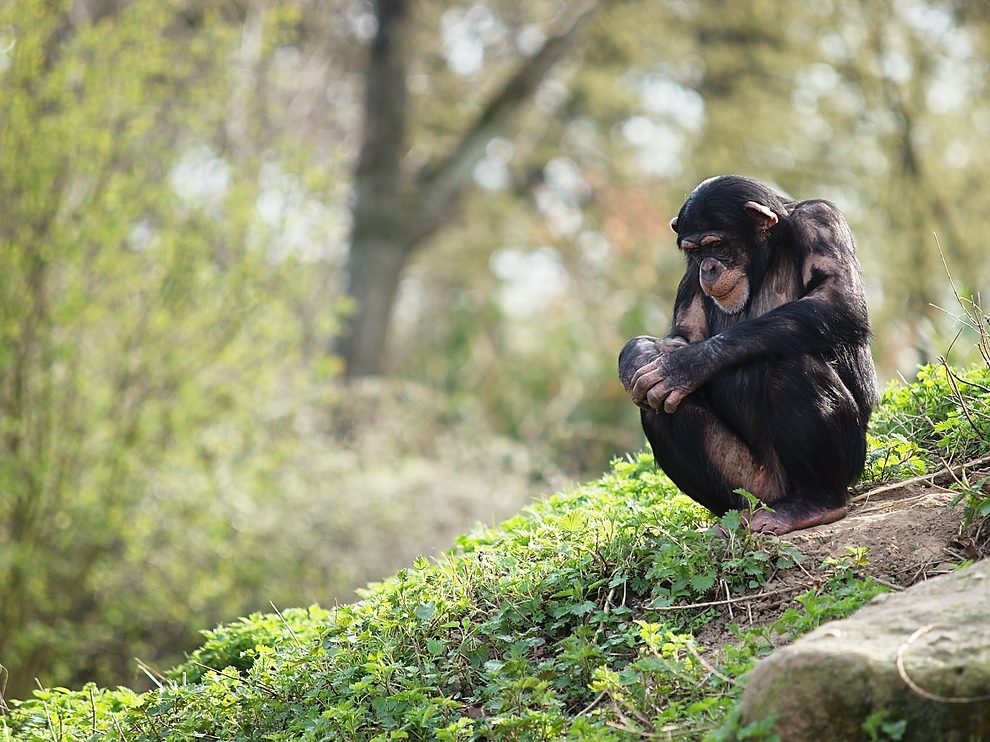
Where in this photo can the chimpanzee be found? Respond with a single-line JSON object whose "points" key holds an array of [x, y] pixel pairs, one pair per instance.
{"points": [[765, 382]]}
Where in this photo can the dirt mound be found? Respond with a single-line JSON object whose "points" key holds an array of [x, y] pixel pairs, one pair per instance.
{"points": [[910, 532]]}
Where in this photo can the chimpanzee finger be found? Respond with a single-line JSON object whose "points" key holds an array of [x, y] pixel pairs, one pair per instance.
{"points": [[674, 399], [657, 396], [643, 380]]}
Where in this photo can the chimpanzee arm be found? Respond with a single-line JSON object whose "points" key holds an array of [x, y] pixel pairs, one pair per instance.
{"points": [[690, 322], [829, 313]]}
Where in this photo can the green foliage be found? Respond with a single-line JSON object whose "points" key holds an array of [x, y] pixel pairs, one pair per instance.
{"points": [[733, 729], [60, 714], [943, 416], [143, 333], [843, 593], [570, 620], [881, 730], [237, 645], [976, 496]]}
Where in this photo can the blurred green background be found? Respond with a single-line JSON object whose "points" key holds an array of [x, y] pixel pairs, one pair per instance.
{"points": [[294, 291]]}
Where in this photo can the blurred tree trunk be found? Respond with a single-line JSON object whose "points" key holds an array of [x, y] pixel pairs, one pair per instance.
{"points": [[913, 197], [392, 214], [379, 249]]}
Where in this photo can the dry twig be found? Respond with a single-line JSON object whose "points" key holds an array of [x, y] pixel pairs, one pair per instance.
{"points": [[727, 601], [930, 478]]}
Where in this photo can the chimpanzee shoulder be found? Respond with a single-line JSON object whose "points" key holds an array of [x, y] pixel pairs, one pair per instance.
{"points": [[818, 225]]}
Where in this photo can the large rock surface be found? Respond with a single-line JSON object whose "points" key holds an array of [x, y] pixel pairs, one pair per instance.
{"points": [[826, 685]]}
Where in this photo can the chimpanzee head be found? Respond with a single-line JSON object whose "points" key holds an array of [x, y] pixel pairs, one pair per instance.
{"points": [[723, 229]]}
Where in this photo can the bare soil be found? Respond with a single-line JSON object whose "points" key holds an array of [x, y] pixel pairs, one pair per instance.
{"points": [[911, 532]]}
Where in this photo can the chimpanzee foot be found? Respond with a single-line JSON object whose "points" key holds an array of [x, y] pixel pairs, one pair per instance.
{"points": [[785, 519]]}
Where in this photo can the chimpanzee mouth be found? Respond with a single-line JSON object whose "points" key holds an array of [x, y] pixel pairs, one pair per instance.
{"points": [[725, 301]]}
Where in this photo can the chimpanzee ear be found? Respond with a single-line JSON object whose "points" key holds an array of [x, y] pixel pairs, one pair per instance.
{"points": [[673, 224], [763, 212]]}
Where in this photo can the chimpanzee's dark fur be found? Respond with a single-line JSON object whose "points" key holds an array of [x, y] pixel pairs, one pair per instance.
{"points": [[770, 390]]}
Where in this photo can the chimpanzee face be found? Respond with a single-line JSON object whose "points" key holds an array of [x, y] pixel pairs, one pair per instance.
{"points": [[719, 237]]}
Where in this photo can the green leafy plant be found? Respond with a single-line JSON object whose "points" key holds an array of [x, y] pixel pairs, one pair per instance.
{"points": [[576, 618], [880, 729], [733, 730], [976, 497], [943, 416], [510, 636]]}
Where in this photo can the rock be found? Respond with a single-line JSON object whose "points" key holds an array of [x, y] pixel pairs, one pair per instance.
{"points": [[826, 685]]}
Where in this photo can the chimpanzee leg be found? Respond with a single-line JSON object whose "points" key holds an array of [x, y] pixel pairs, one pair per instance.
{"points": [[789, 433], [818, 439], [707, 460]]}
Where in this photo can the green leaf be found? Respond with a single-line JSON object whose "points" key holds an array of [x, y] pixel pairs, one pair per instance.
{"points": [[703, 583], [426, 611]]}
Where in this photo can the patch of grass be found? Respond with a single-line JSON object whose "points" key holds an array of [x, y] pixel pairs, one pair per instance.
{"points": [[556, 625], [539, 629]]}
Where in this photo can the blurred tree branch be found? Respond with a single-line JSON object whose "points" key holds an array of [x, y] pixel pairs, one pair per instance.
{"points": [[393, 216], [444, 184]]}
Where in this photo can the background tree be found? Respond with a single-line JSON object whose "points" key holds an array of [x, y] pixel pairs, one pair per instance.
{"points": [[393, 216], [171, 452], [124, 308]]}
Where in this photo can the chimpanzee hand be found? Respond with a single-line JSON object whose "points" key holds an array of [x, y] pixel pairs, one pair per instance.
{"points": [[666, 381], [658, 372]]}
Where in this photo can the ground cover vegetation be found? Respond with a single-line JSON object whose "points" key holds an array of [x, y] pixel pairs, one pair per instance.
{"points": [[579, 618]]}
